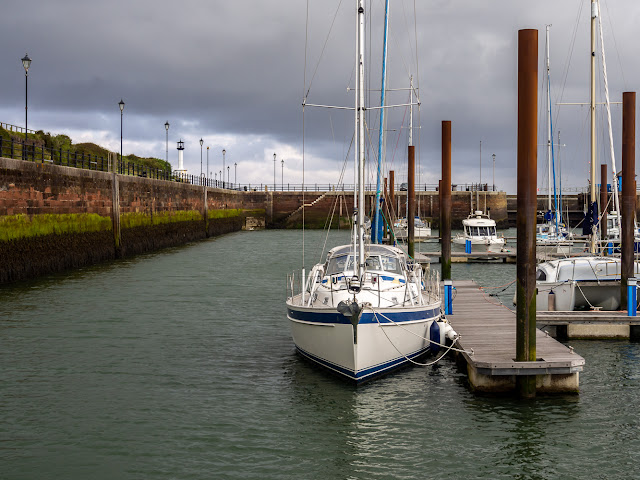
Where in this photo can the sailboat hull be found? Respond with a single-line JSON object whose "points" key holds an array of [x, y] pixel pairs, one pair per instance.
{"points": [[377, 344]]}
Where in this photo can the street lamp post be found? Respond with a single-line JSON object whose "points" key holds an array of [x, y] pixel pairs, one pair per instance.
{"points": [[228, 167], [216, 179], [208, 173], [26, 63], [235, 176], [282, 173], [166, 127], [121, 105], [221, 177], [494, 171], [274, 172], [201, 142]]}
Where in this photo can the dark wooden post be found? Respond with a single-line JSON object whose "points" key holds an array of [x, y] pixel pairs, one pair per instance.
{"points": [[628, 190], [603, 203], [527, 199], [445, 202], [392, 201], [411, 201]]}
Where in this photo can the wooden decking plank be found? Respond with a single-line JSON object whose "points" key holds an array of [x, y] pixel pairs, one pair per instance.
{"points": [[489, 330]]}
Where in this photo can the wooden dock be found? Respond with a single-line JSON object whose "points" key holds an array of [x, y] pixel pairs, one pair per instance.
{"points": [[487, 332], [474, 257]]}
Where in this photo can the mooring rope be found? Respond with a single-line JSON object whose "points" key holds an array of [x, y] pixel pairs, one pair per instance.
{"points": [[447, 348]]}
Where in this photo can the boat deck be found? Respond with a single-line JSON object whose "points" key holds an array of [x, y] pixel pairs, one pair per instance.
{"points": [[487, 332]]}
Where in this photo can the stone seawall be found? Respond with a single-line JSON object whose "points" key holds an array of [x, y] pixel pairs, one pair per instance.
{"points": [[324, 205], [54, 218]]}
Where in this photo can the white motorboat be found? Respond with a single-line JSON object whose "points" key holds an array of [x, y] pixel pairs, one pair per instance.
{"points": [[480, 230], [421, 229], [579, 283], [367, 309]]}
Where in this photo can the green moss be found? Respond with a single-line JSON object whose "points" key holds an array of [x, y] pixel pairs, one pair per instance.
{"points": [[141, 219], [227, 213], [13, 227]]}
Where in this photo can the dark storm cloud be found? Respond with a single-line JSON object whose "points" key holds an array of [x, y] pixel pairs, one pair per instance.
{"points": [[232, 72]]}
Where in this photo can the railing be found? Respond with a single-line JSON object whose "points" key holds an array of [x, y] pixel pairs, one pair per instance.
{"points": [[15, 128], [57, 156], [348, 188]]}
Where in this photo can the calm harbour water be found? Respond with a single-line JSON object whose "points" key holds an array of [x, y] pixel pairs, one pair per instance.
{"points": [[180, 365]]}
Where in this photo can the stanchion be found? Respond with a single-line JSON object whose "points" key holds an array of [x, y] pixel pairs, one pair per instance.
{"points": [[448, 298], [631, 297]]}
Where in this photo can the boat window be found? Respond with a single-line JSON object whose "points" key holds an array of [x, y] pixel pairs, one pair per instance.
{"points": [[391, 264], [337, 265], [373, 263], [541, 275]]}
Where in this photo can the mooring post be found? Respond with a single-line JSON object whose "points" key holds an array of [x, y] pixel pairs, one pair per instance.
{"points": [[628, 190], [445, 201], [603, 203], [411, 205], [392, 200], [115, 206], [527, 200]]}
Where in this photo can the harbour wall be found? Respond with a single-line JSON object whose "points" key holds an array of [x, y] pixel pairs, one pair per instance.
{"points": [[54, 218], [338, 206]]}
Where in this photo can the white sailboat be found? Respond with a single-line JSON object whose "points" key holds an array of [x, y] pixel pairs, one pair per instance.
{"points": [[570, 272], [552, 235], [421, 229], [367, 309]]}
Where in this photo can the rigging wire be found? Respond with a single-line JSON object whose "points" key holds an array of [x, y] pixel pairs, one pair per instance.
{"points": [[326, 41]]}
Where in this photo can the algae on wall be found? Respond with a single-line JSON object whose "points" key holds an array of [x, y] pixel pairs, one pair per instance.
{"points": [[14, 227]]}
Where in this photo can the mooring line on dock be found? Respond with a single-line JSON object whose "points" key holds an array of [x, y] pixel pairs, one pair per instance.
{"points": [[447, 348]]}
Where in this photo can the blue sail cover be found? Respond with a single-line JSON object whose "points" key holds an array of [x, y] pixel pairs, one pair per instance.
{"points": [[590, 218]]}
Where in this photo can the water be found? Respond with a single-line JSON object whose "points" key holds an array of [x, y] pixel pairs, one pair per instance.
{"points": [[180, 365]]}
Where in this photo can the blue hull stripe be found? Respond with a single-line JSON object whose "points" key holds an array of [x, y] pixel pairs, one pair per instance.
{"points": [[367, 317], [367, 374]]}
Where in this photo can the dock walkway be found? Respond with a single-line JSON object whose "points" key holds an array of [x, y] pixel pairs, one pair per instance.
{"points": [[487, 332]]}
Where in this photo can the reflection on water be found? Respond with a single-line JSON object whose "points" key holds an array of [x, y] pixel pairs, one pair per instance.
{"points": [[180, 364]]}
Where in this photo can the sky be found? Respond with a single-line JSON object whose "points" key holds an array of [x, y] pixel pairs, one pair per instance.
{"points": [[235, 74]]}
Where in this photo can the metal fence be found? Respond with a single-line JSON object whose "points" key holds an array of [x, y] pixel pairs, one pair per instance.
{"points": [[20, 150]]}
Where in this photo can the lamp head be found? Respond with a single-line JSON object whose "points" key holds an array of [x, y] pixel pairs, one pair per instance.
{"points": [[121, 105], [26, 63], [166, 125], [201, 142]]}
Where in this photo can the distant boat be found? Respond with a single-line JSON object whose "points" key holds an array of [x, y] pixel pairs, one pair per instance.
{"points": [[480, 230], [421, 229]]}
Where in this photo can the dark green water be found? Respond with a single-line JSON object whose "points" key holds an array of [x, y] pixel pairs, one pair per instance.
{"points": [[180, 365]]}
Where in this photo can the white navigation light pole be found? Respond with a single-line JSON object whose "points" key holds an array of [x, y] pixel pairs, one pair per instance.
{"points": [[221, 177], [166, 127], [274, 172]]}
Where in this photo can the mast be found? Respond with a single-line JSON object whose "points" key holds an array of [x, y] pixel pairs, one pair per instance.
{"points": [[616, 201], [375, 227], [592, 109], [360, 111], [548, 122]]}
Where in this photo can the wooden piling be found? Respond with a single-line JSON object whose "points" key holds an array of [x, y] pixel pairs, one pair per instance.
{"points": [[411, 205], [628, 207], [527, 199], [445, 201], [392, 197]]}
